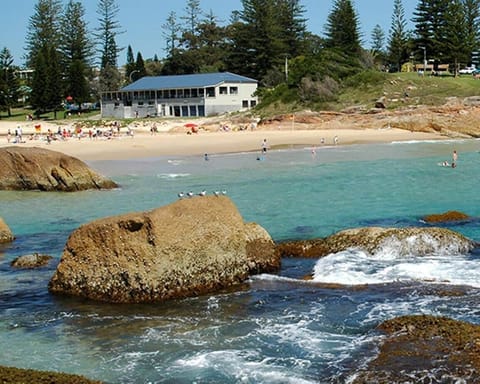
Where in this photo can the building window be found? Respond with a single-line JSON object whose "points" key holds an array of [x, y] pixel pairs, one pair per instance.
{"points": [[210, 92], [176, 111], [193, 110], [234, 90], [244, 103], [184, 110], [194, 92], [223, 90], [201, 110], [253, 103], [186, 93]]}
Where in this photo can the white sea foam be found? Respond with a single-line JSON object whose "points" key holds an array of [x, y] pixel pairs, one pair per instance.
{"points": [[172, 175], [244, 366], [355, 267]]}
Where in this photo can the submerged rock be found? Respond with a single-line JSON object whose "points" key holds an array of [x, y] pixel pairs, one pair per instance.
{"points": [[425, 349], [33, 168], [34, 260], [446, 217], [402, 241], [6, 235], [192, 246]]}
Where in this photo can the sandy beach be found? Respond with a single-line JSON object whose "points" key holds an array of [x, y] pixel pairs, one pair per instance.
{"points": [[168, 143]]}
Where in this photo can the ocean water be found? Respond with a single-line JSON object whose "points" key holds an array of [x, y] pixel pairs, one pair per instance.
{"points": [[274, 328]]}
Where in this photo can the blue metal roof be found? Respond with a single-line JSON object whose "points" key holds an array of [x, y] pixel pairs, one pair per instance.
{"points": [[198, 80]]}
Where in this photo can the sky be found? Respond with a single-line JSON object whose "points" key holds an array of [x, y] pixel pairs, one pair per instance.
{"points": [[142, 20]]}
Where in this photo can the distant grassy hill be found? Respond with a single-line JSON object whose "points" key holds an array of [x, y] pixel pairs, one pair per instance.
{"points": [[399, 89]]}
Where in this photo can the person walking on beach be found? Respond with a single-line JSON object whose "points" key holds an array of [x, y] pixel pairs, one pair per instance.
{"points": [[264, 146]]}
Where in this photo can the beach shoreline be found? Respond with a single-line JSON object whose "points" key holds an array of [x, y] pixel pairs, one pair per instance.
{"points": [[144, 144]]}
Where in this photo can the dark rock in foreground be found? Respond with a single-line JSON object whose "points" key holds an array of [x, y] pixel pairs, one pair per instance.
{"points": [[10, 375], [403, 241], [32, 168], [187, 248], [421, 349], [6, 235]]}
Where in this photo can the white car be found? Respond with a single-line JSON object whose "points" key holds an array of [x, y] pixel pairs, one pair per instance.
{"points": [[467, 70]]}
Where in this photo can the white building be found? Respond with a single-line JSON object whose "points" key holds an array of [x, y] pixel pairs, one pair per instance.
{"points": [[203, 94]]}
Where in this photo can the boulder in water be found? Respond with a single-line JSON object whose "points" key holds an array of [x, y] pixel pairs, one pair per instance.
{"points": [[403, 241], [446, 217], [6, 235], [34, 260], [193, 246], [33, 168]]}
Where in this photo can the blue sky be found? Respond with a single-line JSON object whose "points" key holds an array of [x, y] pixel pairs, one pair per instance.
{"points": [[142, 20]]}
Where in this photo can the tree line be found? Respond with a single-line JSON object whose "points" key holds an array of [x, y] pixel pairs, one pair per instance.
{"points": [[266, 40]]}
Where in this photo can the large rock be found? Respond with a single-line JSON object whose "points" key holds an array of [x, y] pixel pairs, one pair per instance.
{"points": [[23, 168], [420, 349], [6, 234], [403, 241], [192, 246]]}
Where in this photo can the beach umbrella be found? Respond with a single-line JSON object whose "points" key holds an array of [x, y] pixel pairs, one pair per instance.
{"points": [[190, 125]]}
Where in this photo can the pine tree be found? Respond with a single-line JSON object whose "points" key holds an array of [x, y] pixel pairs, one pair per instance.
{"points": [[43, 39], [398, 38], [455, 48], [48, 90], [106, 34], [43, 29], [140, 67], [130, 64], [8, 82], [263, 34], [472, 28], [378, 39], [77, 52], [342, 30], [192, 19], [429, 20], [171, 31]]}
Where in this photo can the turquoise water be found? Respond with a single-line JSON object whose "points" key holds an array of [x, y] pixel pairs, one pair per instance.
{"points": [[274, 328]]}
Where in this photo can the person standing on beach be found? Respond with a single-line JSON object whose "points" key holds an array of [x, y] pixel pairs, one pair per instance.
{"points": [[264, 146]]}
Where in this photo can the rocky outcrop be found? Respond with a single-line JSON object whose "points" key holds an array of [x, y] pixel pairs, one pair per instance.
{"points": [[446, 217], [33, 168], [420, 347], [11, 375], [403, 241], [6, 235], [192, 246], [34, 260]]}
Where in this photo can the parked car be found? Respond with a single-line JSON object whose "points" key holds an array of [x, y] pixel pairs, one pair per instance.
{"points": [[467, 70]]}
